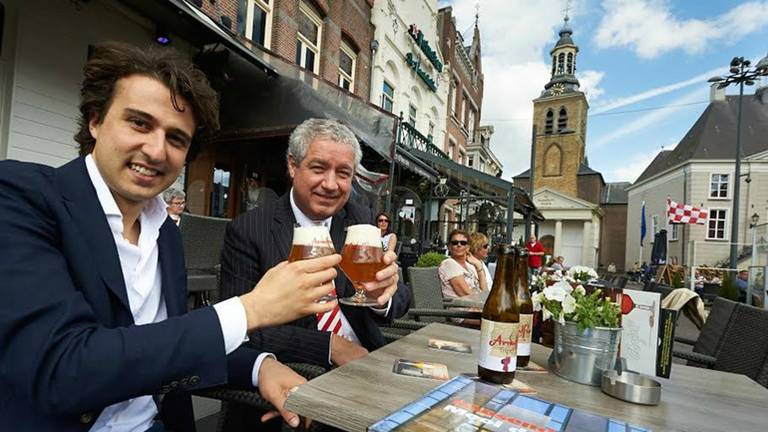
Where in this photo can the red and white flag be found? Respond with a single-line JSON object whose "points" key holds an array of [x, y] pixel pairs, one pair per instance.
{"points": [[685, 214]]}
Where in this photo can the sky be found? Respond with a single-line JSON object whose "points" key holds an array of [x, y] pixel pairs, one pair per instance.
{"points": [[643, 65]]}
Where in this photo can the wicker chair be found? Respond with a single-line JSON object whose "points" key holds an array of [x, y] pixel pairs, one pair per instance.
{"points": [[202, 238], [238, 405], [734, 339]]}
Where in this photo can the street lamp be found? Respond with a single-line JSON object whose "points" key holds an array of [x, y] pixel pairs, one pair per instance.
{"points": [[755, 219], [740, 74]]}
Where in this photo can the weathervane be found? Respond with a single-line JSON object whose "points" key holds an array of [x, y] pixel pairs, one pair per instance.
{"points": [[566, 10], [477, 12]]}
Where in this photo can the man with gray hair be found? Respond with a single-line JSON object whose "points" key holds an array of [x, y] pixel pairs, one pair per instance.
{"points": [[175, 200], [321, 158]]}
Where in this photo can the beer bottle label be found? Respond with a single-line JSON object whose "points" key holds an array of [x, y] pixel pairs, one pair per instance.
{"points": [[498, 345], [524, 335]]}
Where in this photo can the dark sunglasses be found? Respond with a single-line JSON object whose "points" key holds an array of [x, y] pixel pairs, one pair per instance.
{"points": [[383, 220], [459, 242]]}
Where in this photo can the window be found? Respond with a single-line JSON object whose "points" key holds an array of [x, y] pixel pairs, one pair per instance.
{"points": [[412, 115], [560, 63], [548, 122], [463, 112], [673, 235], [258, 18], [462, 157], [718, 186], [470, 161], [471, 124], [554, 61], [451, 149], [387, 97], [431, 131], [569, 63], [562, 120], [308, 39], [654, 225], [455, 89], [717, 224], [347, 60]]}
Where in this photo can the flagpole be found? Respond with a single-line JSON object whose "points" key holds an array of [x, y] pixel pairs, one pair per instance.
{"points": [[642, 233], [669, 232]]}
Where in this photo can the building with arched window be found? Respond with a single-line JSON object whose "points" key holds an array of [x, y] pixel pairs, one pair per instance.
{"points": [[585, 217]]}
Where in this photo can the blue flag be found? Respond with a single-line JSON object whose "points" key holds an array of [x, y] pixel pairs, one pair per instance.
{"points": [[643, 229]]}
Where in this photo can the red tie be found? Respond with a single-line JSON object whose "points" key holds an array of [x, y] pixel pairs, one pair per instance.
{"points": [[331, 320]]}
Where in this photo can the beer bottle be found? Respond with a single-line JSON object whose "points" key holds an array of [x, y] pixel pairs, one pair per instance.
{"points": [[523, 296], [499, 325]]}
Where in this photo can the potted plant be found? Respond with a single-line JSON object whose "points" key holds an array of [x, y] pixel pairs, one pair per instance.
{"points": [[430, 259], [587, 330]]}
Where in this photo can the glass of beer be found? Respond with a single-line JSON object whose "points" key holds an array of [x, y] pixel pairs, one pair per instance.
{"points": [[361, 258], [312, 242]]}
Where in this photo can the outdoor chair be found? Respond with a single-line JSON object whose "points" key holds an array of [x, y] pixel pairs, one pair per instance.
{"points": [[241, 409], [202, 238], [734, 339]]}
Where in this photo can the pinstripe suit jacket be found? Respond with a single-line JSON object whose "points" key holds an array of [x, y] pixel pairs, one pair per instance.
{"points": [[261, 238]]}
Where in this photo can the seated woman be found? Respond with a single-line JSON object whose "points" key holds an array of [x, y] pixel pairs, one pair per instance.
{"points": [[461, 274], [559, 264], [478, 248], [388, 238]]}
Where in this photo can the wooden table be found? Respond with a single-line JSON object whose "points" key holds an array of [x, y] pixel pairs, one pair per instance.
{"points": [[358, 394]]}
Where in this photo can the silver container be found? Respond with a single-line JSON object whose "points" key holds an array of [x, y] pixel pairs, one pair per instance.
{"points": [[583, 357], [631, 387]]}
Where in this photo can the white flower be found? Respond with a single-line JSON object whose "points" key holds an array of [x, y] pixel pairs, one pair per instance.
{"points": [[557, 291], [558, 274], [580, 289], [569, 304], [546, 314], [561, 318], [537, 300]]}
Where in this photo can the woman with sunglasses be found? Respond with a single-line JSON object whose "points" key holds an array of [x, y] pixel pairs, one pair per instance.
{"points": [[388, 238], [478, 247], [462, 274]]}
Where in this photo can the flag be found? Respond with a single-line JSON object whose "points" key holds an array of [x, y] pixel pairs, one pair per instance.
{"points": [[643, 229], [685, 213]]}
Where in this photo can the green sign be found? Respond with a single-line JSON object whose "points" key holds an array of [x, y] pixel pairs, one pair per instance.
{"points": [[418, 36], [416, 65]]}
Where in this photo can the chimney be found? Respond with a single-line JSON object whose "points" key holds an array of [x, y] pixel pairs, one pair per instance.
{"points": [[716, 94]]}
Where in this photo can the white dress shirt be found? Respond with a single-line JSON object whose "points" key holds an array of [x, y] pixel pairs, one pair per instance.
{"points": [[142, 276]]}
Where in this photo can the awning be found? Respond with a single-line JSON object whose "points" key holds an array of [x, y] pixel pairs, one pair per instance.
{"points": [[415, 165], [265, 91], [481, 183]]}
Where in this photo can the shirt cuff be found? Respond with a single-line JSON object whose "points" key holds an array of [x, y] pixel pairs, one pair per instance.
{"points": [[257, 366], [234, 325], [385, 311]]}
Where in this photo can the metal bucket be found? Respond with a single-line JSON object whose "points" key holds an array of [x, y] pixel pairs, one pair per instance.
{"points": [[582, 357]]}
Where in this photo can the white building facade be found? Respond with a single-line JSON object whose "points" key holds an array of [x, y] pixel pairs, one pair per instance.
{"points": [[407, 74]]}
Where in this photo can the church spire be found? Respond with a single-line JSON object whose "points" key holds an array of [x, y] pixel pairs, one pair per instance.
{"points": [[563, 75]]}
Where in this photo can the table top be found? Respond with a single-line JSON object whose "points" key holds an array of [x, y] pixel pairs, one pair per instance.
{"points": [[360, 393]]}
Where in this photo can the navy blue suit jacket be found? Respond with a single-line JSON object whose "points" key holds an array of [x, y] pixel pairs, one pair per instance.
{"points": [[261, 238], [69, 346]]}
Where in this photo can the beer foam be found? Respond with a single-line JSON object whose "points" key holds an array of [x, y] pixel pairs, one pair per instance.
{"points": [[307, 236], [363, 235]]}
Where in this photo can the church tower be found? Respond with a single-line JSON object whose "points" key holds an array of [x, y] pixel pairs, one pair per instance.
{"points": [[560, 120]]}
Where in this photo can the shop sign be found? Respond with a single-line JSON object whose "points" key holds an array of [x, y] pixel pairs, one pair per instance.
{"points": [[418, 36], [416, 66]]}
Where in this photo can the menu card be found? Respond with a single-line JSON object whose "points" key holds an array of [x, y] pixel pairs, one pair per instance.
{"points": [[646, 341]]}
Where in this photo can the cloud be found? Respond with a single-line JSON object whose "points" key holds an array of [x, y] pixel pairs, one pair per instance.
{"points": [[589, 83], [658, 91], [514, 34], [631, 170], [651, 118], [650, 28]]}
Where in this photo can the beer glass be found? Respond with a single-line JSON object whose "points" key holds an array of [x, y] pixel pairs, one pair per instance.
{"points": [[361, 258], [312, 242]]}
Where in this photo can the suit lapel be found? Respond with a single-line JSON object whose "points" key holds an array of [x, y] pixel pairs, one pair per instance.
{"points": [[83, 204], [282, 230], [169, 271]]}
